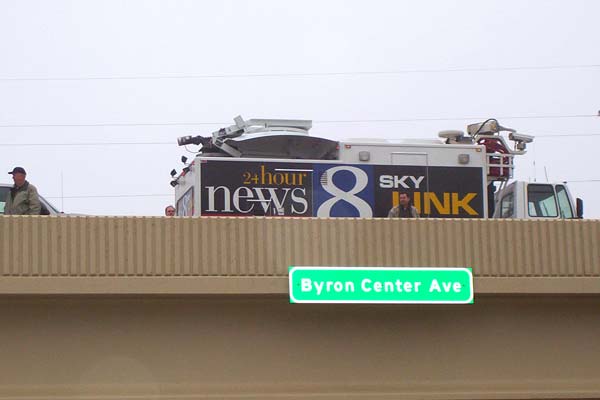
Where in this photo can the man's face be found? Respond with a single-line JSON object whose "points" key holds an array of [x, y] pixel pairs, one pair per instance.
{"points": [[18, 179], [170, 212], [404, 199]]}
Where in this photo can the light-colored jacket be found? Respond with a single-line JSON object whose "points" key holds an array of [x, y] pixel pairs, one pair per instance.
{"points": [[396, 212], [23, 201]]}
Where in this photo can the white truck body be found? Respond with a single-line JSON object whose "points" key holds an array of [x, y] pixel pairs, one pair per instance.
{"points": [[251, 169], [380, 171]]}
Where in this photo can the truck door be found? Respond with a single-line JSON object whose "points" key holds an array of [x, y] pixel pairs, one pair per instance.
{"points": [[564, 204], [506, 206]]}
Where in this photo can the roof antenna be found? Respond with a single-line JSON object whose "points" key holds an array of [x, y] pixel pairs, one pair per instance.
{"points": [[534, 171], [62, 193]]}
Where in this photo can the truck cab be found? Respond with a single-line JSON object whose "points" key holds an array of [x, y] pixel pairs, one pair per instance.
{"points": [[527, 200], [47, 207]]}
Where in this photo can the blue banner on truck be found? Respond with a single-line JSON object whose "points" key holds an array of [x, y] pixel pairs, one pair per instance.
{"points": [[304, 189]]}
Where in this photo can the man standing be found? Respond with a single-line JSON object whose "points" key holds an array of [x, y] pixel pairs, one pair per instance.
{"points": [[23, 197], [404, 209]]}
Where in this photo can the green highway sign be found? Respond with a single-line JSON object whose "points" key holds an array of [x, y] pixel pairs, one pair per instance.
{"points": [[381, 285]]}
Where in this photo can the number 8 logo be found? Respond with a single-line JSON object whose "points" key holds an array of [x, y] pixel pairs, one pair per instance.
{"points": [[362, 180]]}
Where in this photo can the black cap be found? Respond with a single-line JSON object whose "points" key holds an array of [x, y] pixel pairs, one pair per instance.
{"points": [[18, 170]]}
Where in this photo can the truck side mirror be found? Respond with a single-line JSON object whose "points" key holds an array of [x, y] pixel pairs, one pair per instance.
{"points": [[579, 208]]}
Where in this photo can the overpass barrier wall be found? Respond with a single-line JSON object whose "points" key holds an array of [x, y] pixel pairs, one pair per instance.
{"points": [[84, 316], [230, 251]]}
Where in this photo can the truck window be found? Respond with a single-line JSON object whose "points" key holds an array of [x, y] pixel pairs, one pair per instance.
{"points": [[185, 205], [507, 206], [541, 201], [566, 211], [3, 193]]}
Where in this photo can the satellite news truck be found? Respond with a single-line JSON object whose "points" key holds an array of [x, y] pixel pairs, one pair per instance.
{"points": [[269, 167]]}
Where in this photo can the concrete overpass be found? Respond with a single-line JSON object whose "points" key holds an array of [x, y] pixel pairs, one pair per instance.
{"points": [[107, 308]]}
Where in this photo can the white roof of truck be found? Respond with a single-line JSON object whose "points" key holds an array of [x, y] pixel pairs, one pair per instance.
{"points": [[391, 142]]}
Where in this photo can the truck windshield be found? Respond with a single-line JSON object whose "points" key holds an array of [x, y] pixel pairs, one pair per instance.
{"points": [[541, 201], [563, 202]]}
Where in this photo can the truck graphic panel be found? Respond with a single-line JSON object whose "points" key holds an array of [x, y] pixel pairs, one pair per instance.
{"points": [[307, 189]]}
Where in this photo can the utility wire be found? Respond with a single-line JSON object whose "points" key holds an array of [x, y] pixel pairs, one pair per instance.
{"points": [[340, 121], [169, 195], [302, 74], [85, 144], [112, 125], [353, 121], [561, 135], [108, 196], [92, 144]]}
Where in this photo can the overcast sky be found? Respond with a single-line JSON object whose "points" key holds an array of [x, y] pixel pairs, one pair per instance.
{"points": [[64, 40]]}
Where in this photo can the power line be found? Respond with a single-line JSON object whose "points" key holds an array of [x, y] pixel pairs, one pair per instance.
{"points": [[109, 196], [352, 121], [169, 195], [562, 135], [339, 121], [85, 144], [92, 144], [112, 125], [303, 74]]}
